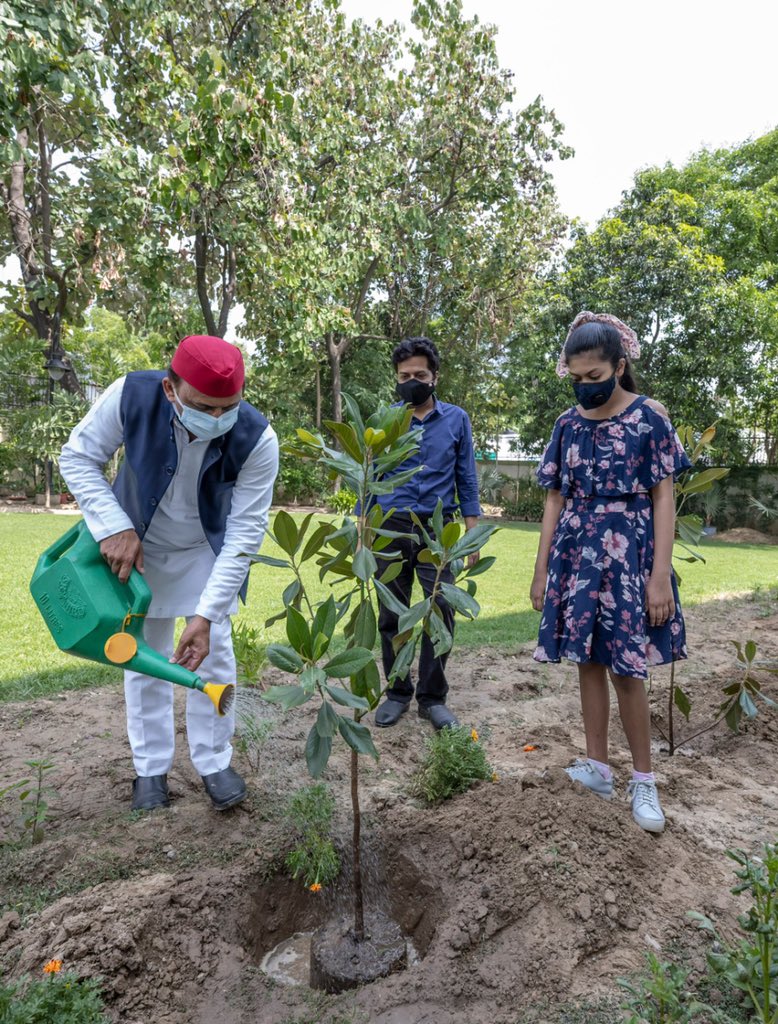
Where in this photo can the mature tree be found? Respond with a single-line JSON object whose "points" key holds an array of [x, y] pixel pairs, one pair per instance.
{"points": [[54, 118], [704, 308], [418, 198], [197, 98]]}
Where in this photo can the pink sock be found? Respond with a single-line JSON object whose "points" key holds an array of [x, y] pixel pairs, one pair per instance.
{"points": [[603, 769], [643, 776]]}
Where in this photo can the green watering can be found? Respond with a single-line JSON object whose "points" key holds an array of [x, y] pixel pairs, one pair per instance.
{"points": [[91, 614]]}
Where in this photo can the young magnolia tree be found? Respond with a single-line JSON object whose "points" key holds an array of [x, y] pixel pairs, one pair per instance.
{"points": [[347, 685]]}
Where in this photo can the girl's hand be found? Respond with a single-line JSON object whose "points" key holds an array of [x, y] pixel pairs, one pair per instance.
{"points": [[537, 591], [660, 603]]}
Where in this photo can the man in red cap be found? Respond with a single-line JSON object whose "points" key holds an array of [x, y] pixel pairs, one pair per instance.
{"points": [[192, 494]]}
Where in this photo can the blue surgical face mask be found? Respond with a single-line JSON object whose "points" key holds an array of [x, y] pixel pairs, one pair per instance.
{"points": [[202, 424], [592, 396]]}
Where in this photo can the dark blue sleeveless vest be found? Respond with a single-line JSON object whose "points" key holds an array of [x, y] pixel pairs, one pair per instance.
{"points": [[151, 457]]}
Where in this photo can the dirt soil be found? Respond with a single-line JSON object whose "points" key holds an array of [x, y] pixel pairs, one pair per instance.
{"points": [[745, 535], [522, 896]]}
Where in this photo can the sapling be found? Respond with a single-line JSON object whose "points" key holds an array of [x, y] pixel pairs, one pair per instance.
{"points": [[353, 559]]}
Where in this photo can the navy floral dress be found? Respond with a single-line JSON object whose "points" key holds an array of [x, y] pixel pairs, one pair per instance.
{"points": [[603, 548]]}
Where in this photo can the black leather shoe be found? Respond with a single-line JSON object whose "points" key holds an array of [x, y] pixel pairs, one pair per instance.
{"points": [[150, 792], [390, 712], [439, 715], [225, 788]]}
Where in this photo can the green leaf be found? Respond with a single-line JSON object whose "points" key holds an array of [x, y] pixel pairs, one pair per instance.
{"points": [[387, 598], [404, 660], [357, 736], [287, 696], [450, 534], [346, 698], [748, 705], [437, 520], [348, 439], [367, 684], [391, 572], [298, 633], [460, 601], [284, 658], [442, 640], [285, 532], [276, 563], [364, 564], [291, 593], [312, 677], [482, 565], [365, 626], [473, 540], [303, 530], [750, 651], [316, 541], [324, 619], [353, 413], [428, 557], [682, 702], [413, 615], [317, 752], [348, 662], [327, 720]]}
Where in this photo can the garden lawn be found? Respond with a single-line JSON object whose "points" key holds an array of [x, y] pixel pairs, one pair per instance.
{"points": [[32, 666]]}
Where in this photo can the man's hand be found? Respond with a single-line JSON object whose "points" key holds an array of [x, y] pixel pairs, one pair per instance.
{"points": [[194, 644], [122, 551]]}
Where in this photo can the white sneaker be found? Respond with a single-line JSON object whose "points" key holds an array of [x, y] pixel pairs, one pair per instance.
{"points": [[585, 773], [645, 805]]}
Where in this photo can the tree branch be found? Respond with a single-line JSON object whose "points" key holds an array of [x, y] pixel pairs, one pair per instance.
{"points": [[367, 280], [229, 282], [201, 265]]}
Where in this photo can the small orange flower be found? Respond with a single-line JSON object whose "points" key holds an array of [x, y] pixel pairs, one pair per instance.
{"points": [[53, 967], [316, 887], [529, 747], [474, 735]]}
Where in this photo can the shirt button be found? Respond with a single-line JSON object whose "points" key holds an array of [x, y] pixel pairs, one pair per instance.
{"points": [[153, 501], [143, 526], [169, 470]]}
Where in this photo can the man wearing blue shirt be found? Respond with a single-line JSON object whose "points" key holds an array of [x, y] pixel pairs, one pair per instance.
{"points": [[448, 473]]}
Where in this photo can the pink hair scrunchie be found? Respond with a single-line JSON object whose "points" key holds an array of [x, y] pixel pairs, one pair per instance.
{"points": [[629, 340]]}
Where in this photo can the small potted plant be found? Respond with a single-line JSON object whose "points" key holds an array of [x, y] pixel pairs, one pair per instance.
{"points": [[712, 504]]}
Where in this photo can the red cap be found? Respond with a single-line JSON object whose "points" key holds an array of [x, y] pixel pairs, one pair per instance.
{"points": [[211, 365]]}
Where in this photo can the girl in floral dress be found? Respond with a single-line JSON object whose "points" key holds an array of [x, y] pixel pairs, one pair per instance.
{"points": [[603, 575]]}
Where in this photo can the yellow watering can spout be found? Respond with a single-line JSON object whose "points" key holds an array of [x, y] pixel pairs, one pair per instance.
{"points": [[91, 614]]}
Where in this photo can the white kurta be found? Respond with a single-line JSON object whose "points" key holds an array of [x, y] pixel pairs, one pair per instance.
{"points": [[186, 577]]}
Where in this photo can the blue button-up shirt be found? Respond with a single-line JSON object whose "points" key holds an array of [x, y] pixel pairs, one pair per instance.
{"points": [[449, 473]]}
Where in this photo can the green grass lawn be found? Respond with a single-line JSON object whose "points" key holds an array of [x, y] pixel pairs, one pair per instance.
{"points": [[31, 665]]}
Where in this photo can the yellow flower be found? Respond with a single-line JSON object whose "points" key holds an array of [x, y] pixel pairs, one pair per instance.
{"points": [[495, 777], [316, 887], [53, 967], [474, 735]]}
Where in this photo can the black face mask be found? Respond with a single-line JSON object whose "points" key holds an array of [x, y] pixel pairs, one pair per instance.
{"points": [[592, 396], [415, 392]]}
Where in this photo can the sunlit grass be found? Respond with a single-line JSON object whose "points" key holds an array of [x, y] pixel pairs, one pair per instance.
{"points": [[32, 666]]}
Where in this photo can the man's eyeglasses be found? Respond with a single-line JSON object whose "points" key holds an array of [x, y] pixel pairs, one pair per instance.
{"points": [[423, 376]]}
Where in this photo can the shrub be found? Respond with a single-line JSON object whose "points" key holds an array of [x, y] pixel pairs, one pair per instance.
{"points": [[527, 505], [300, 483], [54, 999], [455, 760], [314, 858], [342, 502]]}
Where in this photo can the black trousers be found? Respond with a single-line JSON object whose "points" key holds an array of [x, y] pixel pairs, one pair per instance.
{"points": [[432, 685]]}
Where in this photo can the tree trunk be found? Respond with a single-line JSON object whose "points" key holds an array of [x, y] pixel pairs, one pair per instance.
{"points": [[201, 277], [359, 908], [334, 355], [318, 393]]}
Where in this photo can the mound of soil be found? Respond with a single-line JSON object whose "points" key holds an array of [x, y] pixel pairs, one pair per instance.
{"points": [[520, 896]]}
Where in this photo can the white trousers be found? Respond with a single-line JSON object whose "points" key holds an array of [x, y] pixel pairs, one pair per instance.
{"points": [[150, 722]]}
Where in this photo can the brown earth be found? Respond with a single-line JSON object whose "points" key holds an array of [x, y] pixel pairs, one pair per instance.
{"points": [[522, 896], [745, 535]]}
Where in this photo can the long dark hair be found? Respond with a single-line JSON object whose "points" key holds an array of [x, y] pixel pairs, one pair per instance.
{"points": [[596, 336]]}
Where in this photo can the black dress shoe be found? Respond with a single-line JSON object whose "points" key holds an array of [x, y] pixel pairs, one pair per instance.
{"points": [[439, 715], [225, 788], [390, 712], [150, 792]]}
